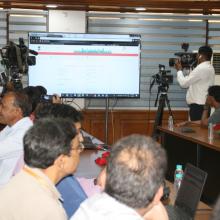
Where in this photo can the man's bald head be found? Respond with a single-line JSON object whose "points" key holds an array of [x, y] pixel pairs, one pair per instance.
{"points": [[135, 170]]}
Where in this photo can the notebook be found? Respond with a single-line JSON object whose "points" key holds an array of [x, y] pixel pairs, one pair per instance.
{"points": [[189, 194]]}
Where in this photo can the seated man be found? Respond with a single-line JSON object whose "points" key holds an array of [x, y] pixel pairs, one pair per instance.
{"points": [[69, 187], [133, 184], [212, 100], [35, 94], [51, 152], [14, 111]]}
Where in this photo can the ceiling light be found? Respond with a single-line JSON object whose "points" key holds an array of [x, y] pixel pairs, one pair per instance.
{"points": [[22, 15], [140, 9], [51, 6], [26, 9], [214, 21]]}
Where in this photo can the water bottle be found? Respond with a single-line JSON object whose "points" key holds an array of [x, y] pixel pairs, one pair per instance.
{"points": [[170, 123], [210, 132], [178, 176]]}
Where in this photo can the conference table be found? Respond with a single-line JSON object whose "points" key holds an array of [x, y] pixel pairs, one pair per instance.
{"points": [[194, 147], [88, 168]]}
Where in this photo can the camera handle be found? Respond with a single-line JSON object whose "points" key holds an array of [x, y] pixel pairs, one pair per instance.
{"points": [[163, 100]]}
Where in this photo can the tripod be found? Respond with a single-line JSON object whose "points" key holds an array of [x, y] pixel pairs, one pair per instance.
{"points": [[163, 100]]}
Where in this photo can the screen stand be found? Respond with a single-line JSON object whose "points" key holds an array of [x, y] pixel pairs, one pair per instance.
{"points": [[106, 119]]}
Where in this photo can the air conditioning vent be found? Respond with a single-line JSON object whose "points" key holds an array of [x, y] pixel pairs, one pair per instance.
{"points": [[216, 62]]}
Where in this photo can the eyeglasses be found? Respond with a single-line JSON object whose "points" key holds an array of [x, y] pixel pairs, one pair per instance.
{"points": [[80, 148]]}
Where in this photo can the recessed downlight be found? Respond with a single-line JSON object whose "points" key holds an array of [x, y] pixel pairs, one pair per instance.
{"points": [[51, 6], [140, 9]]}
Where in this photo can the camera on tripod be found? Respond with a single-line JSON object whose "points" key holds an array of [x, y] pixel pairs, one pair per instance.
{"points": [[15, 57], [16, 60], [188, 60], [162, 77]]}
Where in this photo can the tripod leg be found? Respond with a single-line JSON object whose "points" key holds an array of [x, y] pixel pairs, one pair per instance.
{"points": [[158, 92], [168, 106], [159, 116]]}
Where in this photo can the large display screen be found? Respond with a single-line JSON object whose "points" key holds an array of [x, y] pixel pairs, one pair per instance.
{"points": [[86, 65]]}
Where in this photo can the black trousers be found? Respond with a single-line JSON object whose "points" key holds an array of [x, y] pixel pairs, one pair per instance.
{"points": [[195, 112]]}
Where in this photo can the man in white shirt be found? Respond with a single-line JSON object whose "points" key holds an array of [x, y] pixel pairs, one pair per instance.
{"points": [[51, 152], [14, 112], [133, 183], [197, 82]]}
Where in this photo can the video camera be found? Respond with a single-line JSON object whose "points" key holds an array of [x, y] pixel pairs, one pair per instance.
{"points": [[162, 78], [16, 59], [188, 60]]}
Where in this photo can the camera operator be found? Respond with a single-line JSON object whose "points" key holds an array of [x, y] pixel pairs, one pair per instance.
{"points": [[197, 82]]}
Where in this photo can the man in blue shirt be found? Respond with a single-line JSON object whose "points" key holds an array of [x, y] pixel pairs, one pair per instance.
{"points": [[72, 193]]}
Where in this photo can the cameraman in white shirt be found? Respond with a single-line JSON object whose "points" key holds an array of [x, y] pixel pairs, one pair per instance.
{"points": [[197, 82]]}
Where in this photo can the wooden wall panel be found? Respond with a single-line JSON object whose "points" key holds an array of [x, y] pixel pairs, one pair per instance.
{"points": [[97, 127], [124, 122], [133, 126]]}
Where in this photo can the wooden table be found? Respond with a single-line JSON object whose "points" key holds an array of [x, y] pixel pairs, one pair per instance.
{"points": [[194, 148]]}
